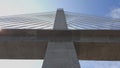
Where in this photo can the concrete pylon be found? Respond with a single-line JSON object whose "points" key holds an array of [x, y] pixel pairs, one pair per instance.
{"points": [[60, 54]]}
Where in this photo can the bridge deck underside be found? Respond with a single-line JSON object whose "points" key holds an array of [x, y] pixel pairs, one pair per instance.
{"points": [[32, 44]]}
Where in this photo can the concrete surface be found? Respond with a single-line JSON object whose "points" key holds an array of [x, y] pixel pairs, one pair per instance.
{"points": [[61, 55]]}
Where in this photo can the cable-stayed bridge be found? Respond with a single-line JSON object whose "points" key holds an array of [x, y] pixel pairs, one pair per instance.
{"points": [[60, 38]]}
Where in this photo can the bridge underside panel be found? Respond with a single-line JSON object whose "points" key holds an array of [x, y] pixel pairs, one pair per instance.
{"points": [[59, 35], [98, 51], [36, 50], [22, 50], [91, 44]]}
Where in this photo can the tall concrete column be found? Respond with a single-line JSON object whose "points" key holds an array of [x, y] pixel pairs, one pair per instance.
{"points": [[60, 54]]}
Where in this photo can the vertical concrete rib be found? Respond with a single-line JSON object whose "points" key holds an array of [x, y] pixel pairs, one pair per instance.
{"points": [[60, 54], [60, 20]]}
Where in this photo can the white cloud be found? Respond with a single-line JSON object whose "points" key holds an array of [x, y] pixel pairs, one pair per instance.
{"points": [[115, 13]]}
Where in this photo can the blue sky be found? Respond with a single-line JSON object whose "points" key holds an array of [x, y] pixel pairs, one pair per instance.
{"points": [[109, 8], [100, 64]]}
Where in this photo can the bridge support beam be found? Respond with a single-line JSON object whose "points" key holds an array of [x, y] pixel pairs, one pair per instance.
{"points": [[60, 54]]}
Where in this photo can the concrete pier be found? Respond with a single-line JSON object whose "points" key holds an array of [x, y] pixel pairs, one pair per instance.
{"points": [[60, 54]]}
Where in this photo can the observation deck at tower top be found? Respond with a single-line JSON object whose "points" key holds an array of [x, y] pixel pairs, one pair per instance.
{"points": [[95, 38]]}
